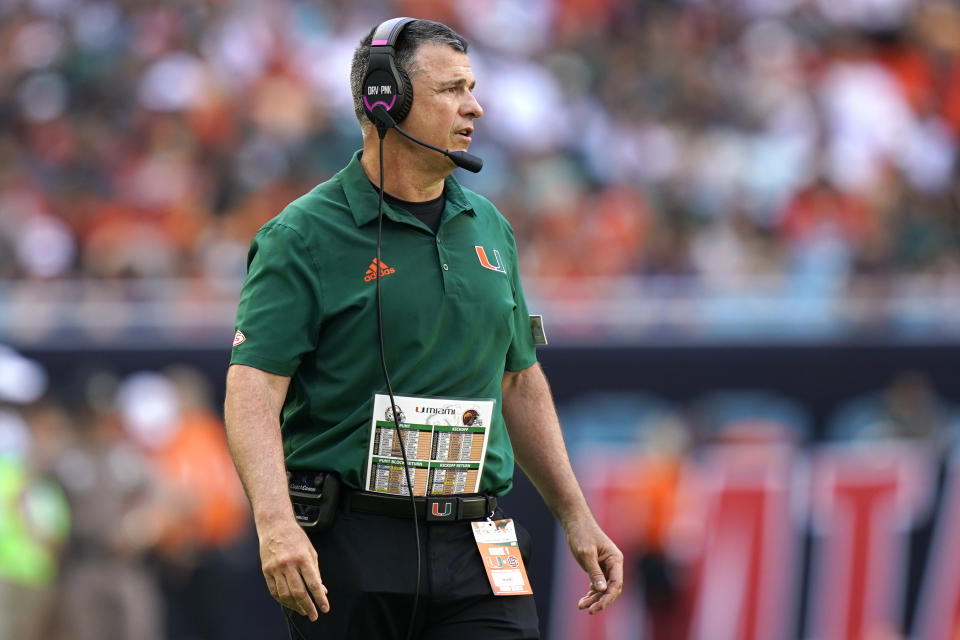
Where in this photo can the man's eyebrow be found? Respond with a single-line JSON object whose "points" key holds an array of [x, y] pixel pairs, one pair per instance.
{"points": [[457, 83]]}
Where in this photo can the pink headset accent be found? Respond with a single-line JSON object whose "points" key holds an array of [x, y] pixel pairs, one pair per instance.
{"points": [[386, 106]]}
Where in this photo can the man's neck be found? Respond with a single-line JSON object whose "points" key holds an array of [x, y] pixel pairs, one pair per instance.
{"points": [[409, 173]]}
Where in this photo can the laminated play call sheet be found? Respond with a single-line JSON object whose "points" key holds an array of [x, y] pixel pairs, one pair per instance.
{"points": [[445, 440]]}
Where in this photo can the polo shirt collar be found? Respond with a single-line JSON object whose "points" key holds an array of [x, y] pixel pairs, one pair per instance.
{"points": [[362, 197]]}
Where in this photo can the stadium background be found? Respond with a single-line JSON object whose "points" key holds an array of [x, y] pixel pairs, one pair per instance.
{"points": [[738, 217]]}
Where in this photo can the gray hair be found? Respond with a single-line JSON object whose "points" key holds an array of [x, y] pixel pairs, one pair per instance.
{"points": [[413, 35]]}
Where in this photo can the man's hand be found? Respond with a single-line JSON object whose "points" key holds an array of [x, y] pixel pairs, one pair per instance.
{"points": [[602, 561], [290, 568], [538, 445], [252, 410]]}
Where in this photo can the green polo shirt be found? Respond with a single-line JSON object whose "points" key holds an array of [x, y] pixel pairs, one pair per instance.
{"points": [[453, 309]]}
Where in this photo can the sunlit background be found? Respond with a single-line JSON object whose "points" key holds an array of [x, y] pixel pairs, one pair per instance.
{"points": [[739, 219]]}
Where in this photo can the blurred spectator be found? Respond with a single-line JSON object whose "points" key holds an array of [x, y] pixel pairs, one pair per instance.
{"points": [[205, 512], [655, 487], [108, 590], [34, 520], [34, 516], [191, 456], [908, 407], [33, 524], [657, 441]]}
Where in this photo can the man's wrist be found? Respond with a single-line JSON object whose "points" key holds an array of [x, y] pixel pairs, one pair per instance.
{"points": [[576, 517], [273, 515]]}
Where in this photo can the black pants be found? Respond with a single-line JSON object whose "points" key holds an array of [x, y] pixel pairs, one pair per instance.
{"points": [[368, 563]]}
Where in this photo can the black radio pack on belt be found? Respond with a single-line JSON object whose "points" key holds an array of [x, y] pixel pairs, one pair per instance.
{"points": [[315, 496]]}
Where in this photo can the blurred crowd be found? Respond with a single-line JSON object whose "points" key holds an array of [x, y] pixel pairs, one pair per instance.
{"points": [[809, 145], [121, 515]]}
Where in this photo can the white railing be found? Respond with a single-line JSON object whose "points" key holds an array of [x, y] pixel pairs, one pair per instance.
{"points": [[155, 313]]}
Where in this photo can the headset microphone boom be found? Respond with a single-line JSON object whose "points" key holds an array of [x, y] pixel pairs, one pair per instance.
{"points": [[383, 121]]}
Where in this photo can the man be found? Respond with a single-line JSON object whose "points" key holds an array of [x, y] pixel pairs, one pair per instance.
{"points": [[455, 326]]}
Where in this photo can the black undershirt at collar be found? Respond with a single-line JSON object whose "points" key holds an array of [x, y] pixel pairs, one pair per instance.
{"points": [[429, 212]]}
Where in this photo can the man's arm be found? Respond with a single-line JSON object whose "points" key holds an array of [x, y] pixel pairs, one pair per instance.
{"points": [[539, 449], [252, 412]]}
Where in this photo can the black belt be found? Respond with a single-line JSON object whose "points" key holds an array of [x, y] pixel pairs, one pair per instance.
{"points": [[434, 508]]}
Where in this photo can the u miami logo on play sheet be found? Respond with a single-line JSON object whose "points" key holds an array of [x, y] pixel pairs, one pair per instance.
{"points": [[497, 265]]}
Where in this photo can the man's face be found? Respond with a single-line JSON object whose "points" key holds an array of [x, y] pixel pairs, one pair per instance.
{"points": [[443, 104]]}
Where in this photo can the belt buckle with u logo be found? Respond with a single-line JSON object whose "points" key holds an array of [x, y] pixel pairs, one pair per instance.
{"points": [[441, 509]]}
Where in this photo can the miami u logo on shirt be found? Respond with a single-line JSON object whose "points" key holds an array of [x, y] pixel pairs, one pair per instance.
{"points": [[485, 261]]}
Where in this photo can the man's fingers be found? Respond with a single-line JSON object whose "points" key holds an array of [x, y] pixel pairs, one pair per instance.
{"points": [[281, 591], [596, 601], [604, 566], [290, 567], [317, 590], [587, 600], [288, 589], [272, 587], [586, 555], [613, 564], [301, 601], [602, 603], [598, 581]]}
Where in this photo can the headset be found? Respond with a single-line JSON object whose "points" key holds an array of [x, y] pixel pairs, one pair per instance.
{"points": [[385, 85], [387, 93]]}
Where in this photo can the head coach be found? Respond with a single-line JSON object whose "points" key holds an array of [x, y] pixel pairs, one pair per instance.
{"points": [[391, 275]]}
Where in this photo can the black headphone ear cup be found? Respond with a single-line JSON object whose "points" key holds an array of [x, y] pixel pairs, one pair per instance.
{"points": [[405, 97]]}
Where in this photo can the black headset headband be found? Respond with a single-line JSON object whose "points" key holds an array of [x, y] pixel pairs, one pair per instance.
{"points": [[385, 85]]}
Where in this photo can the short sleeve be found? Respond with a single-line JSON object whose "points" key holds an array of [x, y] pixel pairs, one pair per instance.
{"points": [[522, 353], [278, 316]]}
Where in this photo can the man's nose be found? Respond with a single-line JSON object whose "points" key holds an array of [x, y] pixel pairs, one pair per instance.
{"points": [[472, 107]]}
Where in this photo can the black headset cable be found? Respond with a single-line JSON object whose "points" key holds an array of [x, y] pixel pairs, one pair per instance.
{"points": [[382, 131]]}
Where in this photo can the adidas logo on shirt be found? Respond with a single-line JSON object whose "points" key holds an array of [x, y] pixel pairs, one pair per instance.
{"points": [[371, 274]]}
